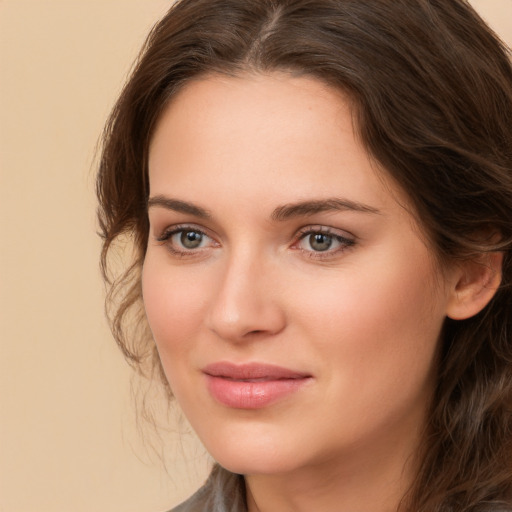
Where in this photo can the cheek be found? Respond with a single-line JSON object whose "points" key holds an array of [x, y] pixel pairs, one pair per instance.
{"points": [[174, 305], [377, 329], [380, 300]]}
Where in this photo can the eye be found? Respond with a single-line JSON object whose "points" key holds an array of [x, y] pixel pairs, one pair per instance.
{"points": [[316, 241], [189, 239], [185, 240], [319, 241]]}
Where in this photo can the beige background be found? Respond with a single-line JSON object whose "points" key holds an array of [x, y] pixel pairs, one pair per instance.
{"points": [[68, 439]]}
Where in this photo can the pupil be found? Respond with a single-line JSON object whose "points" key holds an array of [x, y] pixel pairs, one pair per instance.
{"points": [[191, 239], [320, 242]]}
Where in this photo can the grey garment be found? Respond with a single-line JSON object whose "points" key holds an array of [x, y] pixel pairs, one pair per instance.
{"points": [[225, 492], [222, 492]]}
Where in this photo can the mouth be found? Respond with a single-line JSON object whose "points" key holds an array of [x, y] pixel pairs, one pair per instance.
{"points": [[253, 385]]}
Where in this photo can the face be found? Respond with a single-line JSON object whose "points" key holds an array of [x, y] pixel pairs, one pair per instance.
{"points": [[294, 303]]}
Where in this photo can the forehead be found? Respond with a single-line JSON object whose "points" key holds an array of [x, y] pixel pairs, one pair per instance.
{"points": [[253, 106], [246, 136]]}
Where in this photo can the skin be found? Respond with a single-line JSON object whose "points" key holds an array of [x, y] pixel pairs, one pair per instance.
{"points": [[363, 317]]}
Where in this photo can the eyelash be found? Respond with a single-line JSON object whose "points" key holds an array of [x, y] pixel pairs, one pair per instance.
{"points": [[169, 233], [344, 242]]}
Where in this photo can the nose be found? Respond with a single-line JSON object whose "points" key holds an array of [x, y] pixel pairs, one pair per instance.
{"points": [[245, 304]]}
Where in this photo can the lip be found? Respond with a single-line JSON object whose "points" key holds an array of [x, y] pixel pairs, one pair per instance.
{"points": [[252, 385]]}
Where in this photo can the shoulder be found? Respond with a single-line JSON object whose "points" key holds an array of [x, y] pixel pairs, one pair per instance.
{"points": [[222, 492]]}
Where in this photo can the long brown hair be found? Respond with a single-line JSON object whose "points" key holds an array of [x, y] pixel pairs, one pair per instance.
{"points": [[431, 87]]}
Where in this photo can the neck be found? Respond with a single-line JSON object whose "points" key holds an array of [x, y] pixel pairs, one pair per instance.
{"points": [[375, 478]]}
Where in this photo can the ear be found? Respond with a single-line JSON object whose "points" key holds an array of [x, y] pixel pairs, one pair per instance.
{"points": [[475, 283]]}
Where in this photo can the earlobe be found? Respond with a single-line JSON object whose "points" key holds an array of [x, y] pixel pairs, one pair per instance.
{"points": [[475, 285]]}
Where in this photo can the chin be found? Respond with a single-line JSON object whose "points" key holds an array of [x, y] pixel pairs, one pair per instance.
{"points": [[255, 454], [263, 464]]}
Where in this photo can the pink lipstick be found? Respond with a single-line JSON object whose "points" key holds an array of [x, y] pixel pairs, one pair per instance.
{"points": [[253, 385]]}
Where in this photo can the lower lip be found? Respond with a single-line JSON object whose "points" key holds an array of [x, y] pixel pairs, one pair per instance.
{"points": [[252, 395]]}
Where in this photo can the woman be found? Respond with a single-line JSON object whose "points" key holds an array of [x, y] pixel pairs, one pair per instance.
{"points": [[319, 195]]}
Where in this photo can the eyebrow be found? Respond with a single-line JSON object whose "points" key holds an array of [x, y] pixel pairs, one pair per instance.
{"points": [[281, 213], [178, 206], [306, 208]]}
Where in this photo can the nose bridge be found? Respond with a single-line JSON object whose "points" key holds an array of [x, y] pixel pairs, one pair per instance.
{"points": [[245, 301]]}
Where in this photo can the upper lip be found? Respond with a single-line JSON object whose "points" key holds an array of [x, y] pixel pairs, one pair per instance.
{"points": [[246, 371]]}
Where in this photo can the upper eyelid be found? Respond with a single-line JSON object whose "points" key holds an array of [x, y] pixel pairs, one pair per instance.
{"points": [[300, 233], [169, 232], [345, 243], [176, 228], [326, 230]]}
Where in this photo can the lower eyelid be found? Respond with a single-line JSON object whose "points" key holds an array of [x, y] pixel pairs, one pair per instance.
{"points": [[344, 242], [178, 250], [337, 236], [167, 233]]}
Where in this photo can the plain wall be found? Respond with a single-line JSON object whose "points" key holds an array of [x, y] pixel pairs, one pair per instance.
{"points": [[68, 438]]}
